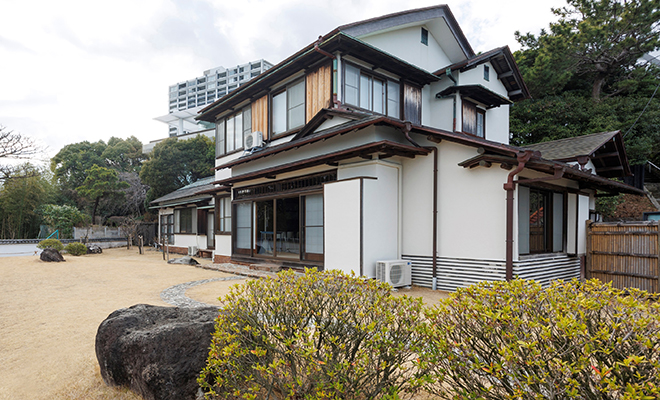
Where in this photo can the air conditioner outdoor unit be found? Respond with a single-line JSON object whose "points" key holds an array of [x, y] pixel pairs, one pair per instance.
{"points": [[395, 272], [254, 139], [192, 251]]}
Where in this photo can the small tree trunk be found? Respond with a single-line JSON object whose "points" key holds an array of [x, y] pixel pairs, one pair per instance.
{"points": [[96, 204], [597, 88]]}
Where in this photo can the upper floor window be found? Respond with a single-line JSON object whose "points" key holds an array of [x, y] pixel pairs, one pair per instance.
{"points": [[288, 108], [425, 37], [486, 73], [371, 92], [230, 132], [474, 119]]}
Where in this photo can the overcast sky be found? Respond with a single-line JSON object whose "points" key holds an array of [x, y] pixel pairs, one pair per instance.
{"points": [[87, 70]]}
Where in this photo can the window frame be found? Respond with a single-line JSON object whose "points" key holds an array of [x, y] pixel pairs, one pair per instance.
{"points": [[222, 123], [371, 75], [478, 111], [287, 107], [425, 37], [223, 223], [549, 193], [177, 221]]}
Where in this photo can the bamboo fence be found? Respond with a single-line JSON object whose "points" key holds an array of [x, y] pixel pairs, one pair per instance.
{"points": [[625, 254]]}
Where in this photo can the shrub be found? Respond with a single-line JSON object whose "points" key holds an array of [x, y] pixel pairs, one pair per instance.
{"points": [[572, 340], [76, 249], [51, 244], [320, 335]]}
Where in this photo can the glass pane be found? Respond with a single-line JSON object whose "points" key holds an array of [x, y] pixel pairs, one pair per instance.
{"points": [[557, 222], [247, 122], [288, 228], [393, 108], [238, 131], [265, 232], [314, 224], [297, 116], [244, 225], [352, 76], [296, 94], [537, 211], [220, 138], [209, 230], [230, 134], [480, 123], [379, 96], [279, 113], [365, 92]]}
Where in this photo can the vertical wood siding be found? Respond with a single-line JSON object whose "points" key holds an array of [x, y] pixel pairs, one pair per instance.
{"points": [[319, 91], [625, 254], [260, 116], [412, 104]]}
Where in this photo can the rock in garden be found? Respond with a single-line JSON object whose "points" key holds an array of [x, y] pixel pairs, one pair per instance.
{"points": [[187, 260], [51, 255], [94, 249], [157, 352]]}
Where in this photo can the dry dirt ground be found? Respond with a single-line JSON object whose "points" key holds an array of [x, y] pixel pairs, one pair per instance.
{"points": [[49, 314]]}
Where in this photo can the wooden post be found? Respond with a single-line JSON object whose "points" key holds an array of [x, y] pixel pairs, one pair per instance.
{"points": [[162, 245], [140, 243], [128, 242]]}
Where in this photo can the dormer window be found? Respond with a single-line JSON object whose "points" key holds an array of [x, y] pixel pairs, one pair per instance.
{"points": [[486, 73], [425, 37]]}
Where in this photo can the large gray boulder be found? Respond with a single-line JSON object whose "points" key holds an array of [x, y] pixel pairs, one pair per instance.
{"points": [[94, 249], [51, 255], [157, 352]]}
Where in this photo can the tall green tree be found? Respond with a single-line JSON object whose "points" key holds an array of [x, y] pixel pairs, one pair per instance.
{"points": [[71, 163], [595, 45], [21, 194], [124, 155], [100, 182], [177, 163]]}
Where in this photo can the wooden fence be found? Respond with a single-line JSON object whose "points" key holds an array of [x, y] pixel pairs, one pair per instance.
{"points": [[625, 254]]}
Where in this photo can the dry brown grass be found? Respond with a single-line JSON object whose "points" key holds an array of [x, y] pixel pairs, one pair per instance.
{"points": [[90, 386]]}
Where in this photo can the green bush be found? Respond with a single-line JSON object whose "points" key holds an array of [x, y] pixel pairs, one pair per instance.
{"points": [[517, 341], [322, 335], [76, 249], [51, 244]]}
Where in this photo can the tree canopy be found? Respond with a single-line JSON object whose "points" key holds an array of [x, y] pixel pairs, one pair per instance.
{"points": [[100, 182], [595, 46], [177, 163], [585, 76]]}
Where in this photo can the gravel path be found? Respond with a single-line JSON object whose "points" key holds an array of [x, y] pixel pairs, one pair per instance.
{"points": [[176, 295]]}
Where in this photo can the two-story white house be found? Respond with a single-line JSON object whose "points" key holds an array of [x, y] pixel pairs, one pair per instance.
{"points": [[388, 139]]}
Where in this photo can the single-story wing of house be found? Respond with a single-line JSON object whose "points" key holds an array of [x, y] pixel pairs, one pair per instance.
{"points": [[388, 139]]}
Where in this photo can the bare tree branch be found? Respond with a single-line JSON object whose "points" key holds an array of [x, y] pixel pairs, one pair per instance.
{"points": [[16, 145]]}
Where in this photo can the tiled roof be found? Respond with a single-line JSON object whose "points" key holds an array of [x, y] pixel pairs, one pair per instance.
{"points": [[198, 188], [571, 148]]}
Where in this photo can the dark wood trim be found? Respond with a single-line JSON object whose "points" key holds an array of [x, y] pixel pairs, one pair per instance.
{"points": [[361, 227]]}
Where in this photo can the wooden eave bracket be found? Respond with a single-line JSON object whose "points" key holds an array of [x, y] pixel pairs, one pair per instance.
{"points": [[559, 173]]}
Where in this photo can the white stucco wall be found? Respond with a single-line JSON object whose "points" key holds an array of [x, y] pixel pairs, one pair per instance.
{"points": [[406, 44], [222, 245], [440, 112], [381, 214], [471, 206], [417, 221], [341, 214]]}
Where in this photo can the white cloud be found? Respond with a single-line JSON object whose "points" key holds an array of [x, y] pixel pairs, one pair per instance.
{"points": [[84, 70]]}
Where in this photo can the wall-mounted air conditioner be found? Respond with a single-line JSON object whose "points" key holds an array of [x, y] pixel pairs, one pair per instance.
{"points": [[254, 139], [192, 251], [395, 272]]}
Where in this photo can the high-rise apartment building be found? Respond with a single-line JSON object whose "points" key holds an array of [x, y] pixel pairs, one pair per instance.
{"points": [[186, 98]]}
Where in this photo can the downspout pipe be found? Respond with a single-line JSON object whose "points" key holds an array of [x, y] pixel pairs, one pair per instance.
{"points": [[510, 186]]}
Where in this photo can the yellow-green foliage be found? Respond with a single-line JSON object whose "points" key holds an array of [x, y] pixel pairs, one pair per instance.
{"points": [[51, 244], [76, 249], [322, 335], [517, 341]]}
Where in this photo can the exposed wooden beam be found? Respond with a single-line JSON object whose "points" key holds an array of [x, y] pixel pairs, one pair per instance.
{"points": [[604, 155], [617, 168], [505, 75], [515, 92]]}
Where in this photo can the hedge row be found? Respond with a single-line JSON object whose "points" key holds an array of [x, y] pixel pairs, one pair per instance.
{"points": [[325, 335]]}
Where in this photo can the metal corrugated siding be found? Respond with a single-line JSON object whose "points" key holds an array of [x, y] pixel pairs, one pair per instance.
{"points": [[454, 273]]}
